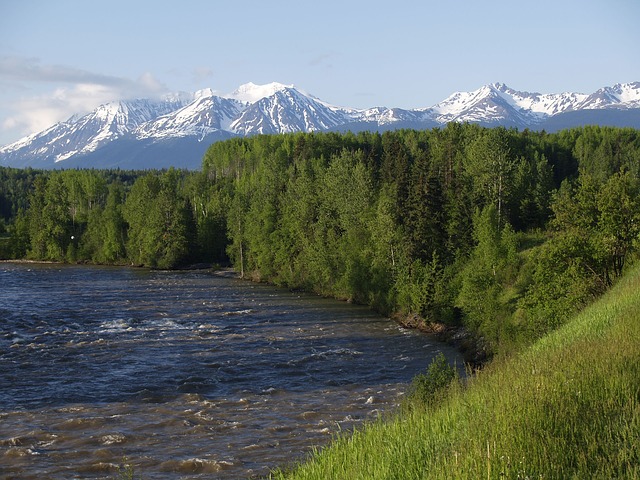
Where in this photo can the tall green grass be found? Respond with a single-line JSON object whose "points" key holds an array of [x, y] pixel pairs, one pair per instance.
{"points": [[568, 407]]}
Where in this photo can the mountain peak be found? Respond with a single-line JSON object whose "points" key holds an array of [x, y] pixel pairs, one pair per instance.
{"points": [[251, 93], [501, 87], [628, 93], [205, 92]]}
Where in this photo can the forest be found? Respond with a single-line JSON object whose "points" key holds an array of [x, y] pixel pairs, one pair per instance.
{"points": [[504, 232]]}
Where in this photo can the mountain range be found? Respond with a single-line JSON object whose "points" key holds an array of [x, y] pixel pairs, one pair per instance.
{"points": [[177, 129]]}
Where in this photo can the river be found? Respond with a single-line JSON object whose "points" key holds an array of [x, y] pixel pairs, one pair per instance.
{"points": [[184, 374]]}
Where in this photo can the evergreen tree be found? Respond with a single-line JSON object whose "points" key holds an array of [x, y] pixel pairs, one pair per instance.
{"points": [[485, 275], [37, 249]]}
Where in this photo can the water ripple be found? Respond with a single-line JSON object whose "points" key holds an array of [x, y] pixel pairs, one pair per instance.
{"points": [[184, 373]]}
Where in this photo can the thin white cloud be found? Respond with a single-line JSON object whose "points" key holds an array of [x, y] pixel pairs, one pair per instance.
{"points": [[21, 70], [35, 113], [62, 92]]}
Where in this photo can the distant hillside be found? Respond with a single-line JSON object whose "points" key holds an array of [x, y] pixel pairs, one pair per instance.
{"points": [[609, 117]]}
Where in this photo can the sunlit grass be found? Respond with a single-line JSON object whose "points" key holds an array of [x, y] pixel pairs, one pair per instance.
{"points": [[568, 407]]}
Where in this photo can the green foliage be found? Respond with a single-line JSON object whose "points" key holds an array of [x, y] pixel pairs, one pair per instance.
{"points": [[421, 288], [426, 388], [486, 275], [20, 239], [142, 245], [113, 231], [596, 229], [491, 166], [50, 223], [210, 203], [159, 220], [560, 286], [79, 215], [618, 205], [15, 185]]}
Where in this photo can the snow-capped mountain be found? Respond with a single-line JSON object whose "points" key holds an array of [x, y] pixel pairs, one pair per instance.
{"points": [[79, 136], [288, 110], [177, 130], [497, 104], [206, 114]]}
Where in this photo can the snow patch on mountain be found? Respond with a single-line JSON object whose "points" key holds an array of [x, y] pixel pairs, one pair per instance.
{"points": [[628, 93], [89, 132], [619, 96], [207, 114], [286, 111], [499, 103]]}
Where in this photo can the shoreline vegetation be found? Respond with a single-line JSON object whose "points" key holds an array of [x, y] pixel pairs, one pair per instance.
{"points": [[565, 407], [488, 239]]}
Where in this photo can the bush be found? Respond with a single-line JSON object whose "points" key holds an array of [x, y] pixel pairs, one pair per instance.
{"points": [[426, 388]]}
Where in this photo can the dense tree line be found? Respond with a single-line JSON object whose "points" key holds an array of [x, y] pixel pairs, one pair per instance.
{"points": [[157, 219], [504, 231]]}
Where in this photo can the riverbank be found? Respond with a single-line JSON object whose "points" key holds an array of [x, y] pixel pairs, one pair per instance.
{"points": [[24, 260], [564, 408], [473, 349]]}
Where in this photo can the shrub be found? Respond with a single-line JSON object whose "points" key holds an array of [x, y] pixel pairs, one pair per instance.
{"points": [[427, 387]]}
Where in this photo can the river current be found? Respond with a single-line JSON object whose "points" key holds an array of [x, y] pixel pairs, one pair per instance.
{"points": [[184, 374]]}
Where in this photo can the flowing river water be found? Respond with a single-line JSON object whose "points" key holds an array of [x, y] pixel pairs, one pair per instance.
{"points": [[184, 374]]}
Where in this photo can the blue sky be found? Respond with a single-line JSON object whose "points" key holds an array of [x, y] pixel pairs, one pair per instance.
{"points": [[59, 57]]}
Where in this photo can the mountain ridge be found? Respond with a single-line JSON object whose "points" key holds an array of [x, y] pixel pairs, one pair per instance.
{"points": [[179, 128]]}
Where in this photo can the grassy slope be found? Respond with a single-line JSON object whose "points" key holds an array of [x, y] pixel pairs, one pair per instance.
{"points": [[569, 407]]}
